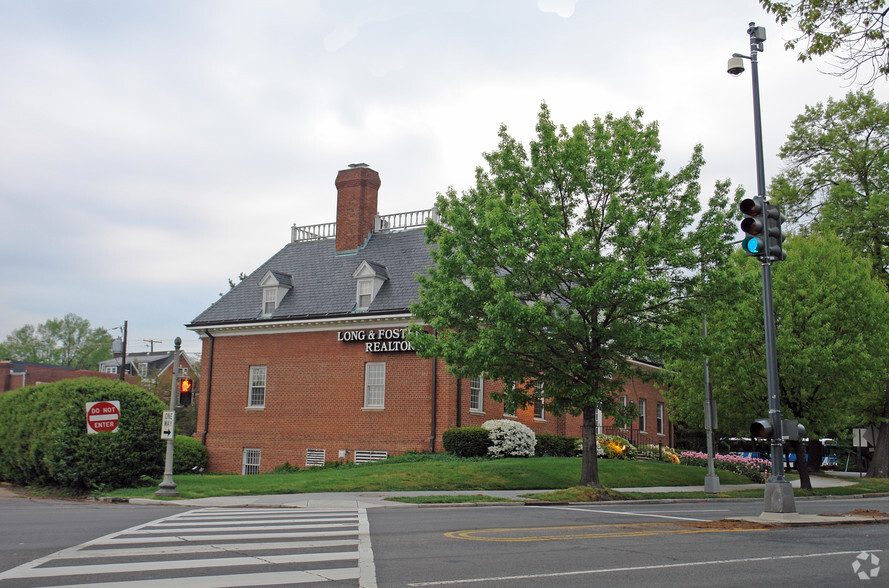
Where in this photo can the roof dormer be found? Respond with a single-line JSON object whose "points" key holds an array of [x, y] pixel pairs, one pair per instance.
{"points": [[274, 286], [369, 279]]}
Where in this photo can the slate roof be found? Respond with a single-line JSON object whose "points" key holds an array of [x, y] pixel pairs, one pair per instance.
{"points": [[322, 281]]}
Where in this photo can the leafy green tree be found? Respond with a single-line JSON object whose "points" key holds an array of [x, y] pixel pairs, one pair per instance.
{"points": [[67, 341], [565, 260], [838, 180], [853, 31], [832, 327]]}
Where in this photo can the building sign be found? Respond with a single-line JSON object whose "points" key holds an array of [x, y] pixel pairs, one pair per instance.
{"points": [[377, 340]]}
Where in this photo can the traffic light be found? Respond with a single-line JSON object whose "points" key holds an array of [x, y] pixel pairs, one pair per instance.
{"points": [[754, 227], [791, 429], [761, 429], [186, 387], [774, 219]]}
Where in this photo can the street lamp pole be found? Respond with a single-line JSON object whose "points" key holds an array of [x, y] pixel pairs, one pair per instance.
{"points": [[778, 491], [168, 487]]}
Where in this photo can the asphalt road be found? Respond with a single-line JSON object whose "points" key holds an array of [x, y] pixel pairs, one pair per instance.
{"points": [[622, 544]]}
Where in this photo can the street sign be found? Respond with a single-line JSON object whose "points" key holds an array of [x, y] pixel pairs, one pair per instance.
{"points": [[167, 427], [102, 417], [859, 437]]}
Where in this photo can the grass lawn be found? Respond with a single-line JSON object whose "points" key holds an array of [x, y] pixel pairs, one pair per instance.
{"points": [[437, 472]]}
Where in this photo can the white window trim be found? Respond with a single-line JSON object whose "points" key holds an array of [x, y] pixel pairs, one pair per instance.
{"points": [[255, 370], [365, 294], [273, 291], [480, 392], [643, 406], [250, 461], [538, 398], [374, 391], [368, 284], [660, 418]]}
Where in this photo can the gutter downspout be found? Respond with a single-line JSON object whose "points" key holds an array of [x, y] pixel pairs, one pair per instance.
{"points": [[209, 387], [434, 403]]}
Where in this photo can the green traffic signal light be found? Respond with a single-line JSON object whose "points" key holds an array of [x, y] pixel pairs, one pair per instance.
{"points": [[753, 225]]}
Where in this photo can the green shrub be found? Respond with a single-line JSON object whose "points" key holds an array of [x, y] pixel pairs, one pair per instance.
{"points": [[466, 441], [614, 447], [43, 438], [188, 453], [555, 445]]}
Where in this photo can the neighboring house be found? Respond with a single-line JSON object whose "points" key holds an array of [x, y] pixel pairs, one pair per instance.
{"points": [[148, 365], [305, 360], [18, 374]]}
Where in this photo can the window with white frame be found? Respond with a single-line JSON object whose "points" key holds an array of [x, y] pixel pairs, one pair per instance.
{"points": [[250, 464], [375, 384], [256, 394], [539, 412], [660, 418], [643, 403], [508, 409], [365, 293], [476, 385], [143, 370], [109, 369], [269, 300]]}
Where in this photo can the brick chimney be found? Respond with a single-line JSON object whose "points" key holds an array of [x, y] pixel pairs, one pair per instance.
{"points": [[356, 205]]}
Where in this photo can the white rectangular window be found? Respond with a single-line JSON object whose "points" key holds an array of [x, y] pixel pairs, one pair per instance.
{"points": [[143, 370], [539, 412], [256, 394], [365, 293], [375, 384], [269, 300], [475, 394], [660, 418], [251, 461], [642, 406]]}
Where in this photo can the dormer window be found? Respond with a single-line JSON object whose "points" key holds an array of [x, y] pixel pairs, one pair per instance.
{"points": [[369, 278], [274, 287]]}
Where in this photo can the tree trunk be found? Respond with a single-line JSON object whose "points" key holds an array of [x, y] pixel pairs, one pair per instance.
{"points": [[589, 469], [802, 466], [879, 465], [815, 456]]}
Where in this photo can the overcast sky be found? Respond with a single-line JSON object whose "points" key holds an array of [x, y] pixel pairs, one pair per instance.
{"points": [[151, 150]]}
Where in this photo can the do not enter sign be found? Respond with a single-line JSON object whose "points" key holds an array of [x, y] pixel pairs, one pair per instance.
{"points": [[102, 417]]}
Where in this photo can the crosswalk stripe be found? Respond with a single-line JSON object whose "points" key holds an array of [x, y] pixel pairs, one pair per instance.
{"points": [[236, 580], [182, 530], [200, 548], [243, 523], [223, 537], [145, 566]]}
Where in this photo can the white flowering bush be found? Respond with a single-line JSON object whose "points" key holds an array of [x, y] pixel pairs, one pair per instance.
{"points": [[510, 439]]}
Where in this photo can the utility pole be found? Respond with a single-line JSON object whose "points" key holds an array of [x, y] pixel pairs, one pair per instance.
{"points": [[123, 357], [151, 343]]}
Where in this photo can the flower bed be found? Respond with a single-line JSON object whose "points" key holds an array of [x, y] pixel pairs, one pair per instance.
{"points": [[754, 468]]}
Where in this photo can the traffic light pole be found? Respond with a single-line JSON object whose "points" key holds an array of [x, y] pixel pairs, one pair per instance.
{"points": [[168, 487], [778, 491]]}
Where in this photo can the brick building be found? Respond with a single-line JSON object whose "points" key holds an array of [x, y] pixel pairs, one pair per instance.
{"points": [[305, 360], [18, 374]]}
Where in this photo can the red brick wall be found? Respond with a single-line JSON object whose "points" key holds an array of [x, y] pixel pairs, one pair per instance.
{"points": [[42, 374], [314, 399]]}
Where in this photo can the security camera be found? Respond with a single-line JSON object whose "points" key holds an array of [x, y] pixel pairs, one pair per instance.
{"points": [[735, 66]]}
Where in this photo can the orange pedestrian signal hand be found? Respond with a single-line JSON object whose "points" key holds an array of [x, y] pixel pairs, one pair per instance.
{"points": [[185, 385]]}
